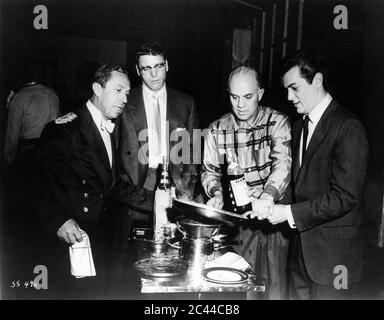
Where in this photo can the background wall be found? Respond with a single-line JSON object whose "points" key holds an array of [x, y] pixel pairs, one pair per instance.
{"points": [[82, 34]]}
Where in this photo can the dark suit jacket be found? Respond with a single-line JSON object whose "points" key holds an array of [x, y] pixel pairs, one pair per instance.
{"points": [[181, 114], [328, 190], [74, 178]]}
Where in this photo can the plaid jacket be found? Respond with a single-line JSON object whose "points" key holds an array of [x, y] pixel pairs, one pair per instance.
{"points": [[263, 148]]}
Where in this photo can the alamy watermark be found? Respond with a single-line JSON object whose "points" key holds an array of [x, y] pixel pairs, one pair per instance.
{"points": [[41, 20], [341, 280]]}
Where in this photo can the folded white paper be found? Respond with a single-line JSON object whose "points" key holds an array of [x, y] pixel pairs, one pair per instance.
{"points": [[80, 255], [230, 260]]}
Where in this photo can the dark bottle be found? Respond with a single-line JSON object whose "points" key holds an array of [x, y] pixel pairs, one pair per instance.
{"points": [[238, 185], [165, 182]]}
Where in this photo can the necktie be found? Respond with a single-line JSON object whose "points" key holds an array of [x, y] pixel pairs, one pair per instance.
{"points": [[107, 125], [157, 125], [305, 136], [106, 128]]}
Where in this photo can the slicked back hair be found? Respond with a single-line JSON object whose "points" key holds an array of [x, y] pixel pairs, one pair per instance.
{"points": [[309, 63], [152, 48], [104, 73]]}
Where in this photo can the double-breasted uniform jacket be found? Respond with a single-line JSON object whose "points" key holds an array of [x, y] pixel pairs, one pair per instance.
{"points": [[328, 192], [74, 178], [182, 118]]}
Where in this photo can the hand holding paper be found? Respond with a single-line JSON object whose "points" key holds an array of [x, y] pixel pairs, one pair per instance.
{"points": [[80, 255]]}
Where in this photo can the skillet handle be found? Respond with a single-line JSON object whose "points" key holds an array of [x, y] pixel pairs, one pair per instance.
{"points": [[180, 229], [173, 245], [227, 244]]}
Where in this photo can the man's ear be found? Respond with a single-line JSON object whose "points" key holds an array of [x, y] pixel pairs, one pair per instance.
{"points": [[260, 94], [96, 87], [318, 79], [137, 70], [166, 65]]}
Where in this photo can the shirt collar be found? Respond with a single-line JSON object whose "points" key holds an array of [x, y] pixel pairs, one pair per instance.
{"points": [[98, 118], [250, 123], [318, 111], [149, 93]]}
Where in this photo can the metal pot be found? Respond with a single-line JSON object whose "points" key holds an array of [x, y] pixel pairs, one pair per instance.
{"points": [[195, 230], [198, 250]]}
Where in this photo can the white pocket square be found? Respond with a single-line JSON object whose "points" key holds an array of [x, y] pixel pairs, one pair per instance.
{"points": [[180, 129]]}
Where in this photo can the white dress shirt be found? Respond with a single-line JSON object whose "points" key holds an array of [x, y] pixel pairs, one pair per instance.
{"points": [[156, 158], [314, 116], [104, 126]]}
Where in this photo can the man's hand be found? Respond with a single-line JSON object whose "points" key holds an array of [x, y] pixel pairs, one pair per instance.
{"points": [[254, 192], [217, 201], [70, 232], [163, 198], [261, 208], [279, 214]]}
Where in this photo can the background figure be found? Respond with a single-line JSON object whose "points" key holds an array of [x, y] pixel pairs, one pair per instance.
{"points": [[260, 136], [76, 183], [153, 111], [29, 110], [330, 156]]}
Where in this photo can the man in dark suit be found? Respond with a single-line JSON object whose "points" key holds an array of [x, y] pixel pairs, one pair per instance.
{"points": [[330, 154], [152, 124], [77, 180]]}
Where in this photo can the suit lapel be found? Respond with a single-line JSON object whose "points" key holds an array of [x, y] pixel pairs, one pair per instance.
{"points": [[172, 116], [319, 133], [136, 109], [317, 137], [136, 114], [296, 148], [91, 134]]}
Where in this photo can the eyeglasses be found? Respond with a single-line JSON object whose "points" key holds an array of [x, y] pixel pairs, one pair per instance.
{"points": [[157, 67]]}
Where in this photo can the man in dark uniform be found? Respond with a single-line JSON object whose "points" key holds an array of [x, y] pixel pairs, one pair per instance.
{"points": [[77, 181]]}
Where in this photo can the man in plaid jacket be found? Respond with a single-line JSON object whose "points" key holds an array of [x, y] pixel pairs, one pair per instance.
{"points": [[261, 138]]}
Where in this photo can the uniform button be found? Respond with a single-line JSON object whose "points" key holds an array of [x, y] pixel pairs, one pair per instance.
{"points": [[85, 209], [129, 153], [101, 196], [85, 195], [83, 182]]}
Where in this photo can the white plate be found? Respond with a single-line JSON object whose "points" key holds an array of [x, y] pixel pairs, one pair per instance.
{"points": [[223, 275]]}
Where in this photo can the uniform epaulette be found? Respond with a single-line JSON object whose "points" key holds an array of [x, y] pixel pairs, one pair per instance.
{"points": [[66, 118]]}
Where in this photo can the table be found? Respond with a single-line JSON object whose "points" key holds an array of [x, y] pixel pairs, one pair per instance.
{"points": [[192, 283]]}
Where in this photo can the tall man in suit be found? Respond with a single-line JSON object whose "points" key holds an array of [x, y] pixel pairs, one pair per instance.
{"points": [[77, 180], [155, 118], [330, 154]]}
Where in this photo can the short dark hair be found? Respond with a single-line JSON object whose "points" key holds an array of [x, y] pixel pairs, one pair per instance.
{"points": [[245, 69], [152, 48], [103, 74], [309, 63]]}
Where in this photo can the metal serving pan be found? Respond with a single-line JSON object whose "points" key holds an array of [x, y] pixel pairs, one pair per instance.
{"points": [[205, 213]]}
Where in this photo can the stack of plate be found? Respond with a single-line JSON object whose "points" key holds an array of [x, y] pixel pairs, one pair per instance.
{"points": [[161, 269]]}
